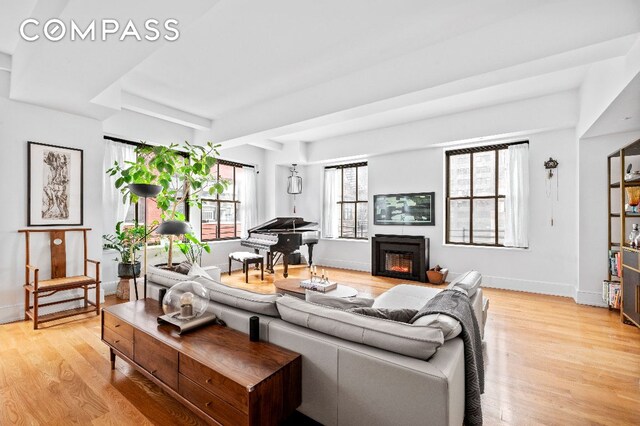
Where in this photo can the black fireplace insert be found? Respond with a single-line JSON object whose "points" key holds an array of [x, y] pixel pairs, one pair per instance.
{"points": [[400, 256]]}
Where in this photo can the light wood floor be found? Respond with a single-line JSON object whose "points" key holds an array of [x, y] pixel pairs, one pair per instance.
{"points": [[550, 362]]}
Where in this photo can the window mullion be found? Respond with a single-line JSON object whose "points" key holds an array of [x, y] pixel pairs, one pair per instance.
{"points": [[471, 198]]}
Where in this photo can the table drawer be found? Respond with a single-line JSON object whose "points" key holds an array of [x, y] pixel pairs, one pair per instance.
{"points": [[214, 382], [118, 326], [209, 403], [118, 342], [157, 358]]}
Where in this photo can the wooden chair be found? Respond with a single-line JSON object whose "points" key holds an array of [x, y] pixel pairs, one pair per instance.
{"points": [[59, 280]]}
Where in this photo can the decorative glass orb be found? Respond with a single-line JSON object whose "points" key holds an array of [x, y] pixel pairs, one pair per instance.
{"points": [[186, 301]]}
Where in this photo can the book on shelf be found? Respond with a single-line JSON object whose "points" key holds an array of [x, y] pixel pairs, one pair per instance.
{"points": [[611, 294], [615, 263]]}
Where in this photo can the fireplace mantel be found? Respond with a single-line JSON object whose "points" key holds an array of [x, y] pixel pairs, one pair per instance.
{"points": [[400, 256]]}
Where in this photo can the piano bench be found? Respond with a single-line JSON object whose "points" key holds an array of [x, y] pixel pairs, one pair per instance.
{"points": [[247, 258]]}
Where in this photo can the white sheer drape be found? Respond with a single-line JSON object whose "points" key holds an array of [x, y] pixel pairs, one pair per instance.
{"points": [[517, 198], [330, 207], [114, 209], [248, 195]]}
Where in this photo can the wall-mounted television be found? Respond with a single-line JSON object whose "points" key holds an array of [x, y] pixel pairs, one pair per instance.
{"points": [[405, 209]]}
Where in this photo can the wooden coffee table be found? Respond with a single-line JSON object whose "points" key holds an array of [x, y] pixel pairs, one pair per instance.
{"points": [[215, 371], [292, 287]]}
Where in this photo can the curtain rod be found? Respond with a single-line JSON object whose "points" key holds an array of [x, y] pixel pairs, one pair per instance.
{"points": [[483, 148]]}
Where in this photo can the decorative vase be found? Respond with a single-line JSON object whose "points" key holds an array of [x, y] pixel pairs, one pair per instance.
{"points": [[633, 197], [633, 235]]}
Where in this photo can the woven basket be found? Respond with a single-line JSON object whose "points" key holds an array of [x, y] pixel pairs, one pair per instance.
{"points": [[437, 277]]}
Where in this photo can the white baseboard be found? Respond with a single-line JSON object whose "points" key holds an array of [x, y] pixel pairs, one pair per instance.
{"points": [[529, 286], [591, 298], [108, 287], [13, 313]]}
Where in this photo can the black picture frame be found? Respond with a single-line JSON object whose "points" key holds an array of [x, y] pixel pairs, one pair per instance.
{"points": [[59, 201], [413, 209]]}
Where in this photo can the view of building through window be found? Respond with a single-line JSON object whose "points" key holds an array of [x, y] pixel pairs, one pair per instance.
{"points": [[476, 189], [221, 212], [354, 213]]}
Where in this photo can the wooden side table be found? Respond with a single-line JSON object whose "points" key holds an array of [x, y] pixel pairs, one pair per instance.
{"points": [[215, 371]]}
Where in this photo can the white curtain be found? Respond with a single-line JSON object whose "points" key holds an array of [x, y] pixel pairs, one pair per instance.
{"points": [[330, 207], [517, 197], [248, 196], [113, 209]]}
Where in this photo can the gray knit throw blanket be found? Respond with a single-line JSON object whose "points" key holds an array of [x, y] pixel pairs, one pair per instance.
{"points": [[457, 305]]}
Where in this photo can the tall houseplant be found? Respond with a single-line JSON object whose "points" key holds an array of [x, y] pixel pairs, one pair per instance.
{"points": [[183, 172]]}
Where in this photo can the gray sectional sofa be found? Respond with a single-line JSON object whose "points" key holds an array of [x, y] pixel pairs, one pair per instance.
{"points": [[359, 370]]}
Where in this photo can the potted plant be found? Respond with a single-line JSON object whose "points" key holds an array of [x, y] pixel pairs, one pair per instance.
{"points": [[127, 241], [192, 248], [183, 173]]}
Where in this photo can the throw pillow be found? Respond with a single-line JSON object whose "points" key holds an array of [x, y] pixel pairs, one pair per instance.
{"points": [[398, 315], [183, 268], [197, 271], [338, 302]]}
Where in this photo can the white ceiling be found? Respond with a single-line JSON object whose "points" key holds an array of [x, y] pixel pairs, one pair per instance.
{"points": [[291, 70]]}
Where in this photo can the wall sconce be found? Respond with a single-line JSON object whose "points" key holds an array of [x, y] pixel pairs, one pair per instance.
{"points": [[551, 165], [294, 185]]}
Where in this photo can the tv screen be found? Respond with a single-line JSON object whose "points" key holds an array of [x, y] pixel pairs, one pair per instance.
{"points": [[404, 209]]}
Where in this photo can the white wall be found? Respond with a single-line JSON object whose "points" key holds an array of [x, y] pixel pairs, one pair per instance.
{"points": [[542, 268], [19, 123]]}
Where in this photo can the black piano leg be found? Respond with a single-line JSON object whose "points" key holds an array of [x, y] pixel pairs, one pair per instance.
{"points": [[310, 247], [285, 261], [270, 262]]}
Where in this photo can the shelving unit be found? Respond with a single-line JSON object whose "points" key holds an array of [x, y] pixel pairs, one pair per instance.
{"points": [[629, 257]]}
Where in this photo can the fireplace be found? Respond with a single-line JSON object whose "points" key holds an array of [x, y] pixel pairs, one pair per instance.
{"points": [[400, 256]]}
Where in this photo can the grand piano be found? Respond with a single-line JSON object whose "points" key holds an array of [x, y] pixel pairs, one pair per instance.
{"points": [[280, 237]]}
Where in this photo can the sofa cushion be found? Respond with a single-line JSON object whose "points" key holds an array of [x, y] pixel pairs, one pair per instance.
{"points": [[258, 303], [398, 315], [469, 281], [450, 326], [164, 277], [405, 296], [338, 302], [407, 339]]}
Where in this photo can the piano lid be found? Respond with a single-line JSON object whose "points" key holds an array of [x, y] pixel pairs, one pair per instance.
{"points": [[285, 224]]}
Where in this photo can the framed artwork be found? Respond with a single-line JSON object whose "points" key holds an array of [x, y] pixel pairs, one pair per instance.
{"points": [[404, 209], [55, 185]]}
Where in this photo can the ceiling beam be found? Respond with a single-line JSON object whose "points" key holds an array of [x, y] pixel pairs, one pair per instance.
{"points": [[268, 145], [151, 108], [5, 62]]}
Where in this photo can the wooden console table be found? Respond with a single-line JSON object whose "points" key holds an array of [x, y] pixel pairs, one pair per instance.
{"points": [[215, 371]]}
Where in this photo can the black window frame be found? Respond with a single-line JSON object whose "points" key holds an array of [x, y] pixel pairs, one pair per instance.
{"points": [[496, 196], [355, 202], [219, 202]]}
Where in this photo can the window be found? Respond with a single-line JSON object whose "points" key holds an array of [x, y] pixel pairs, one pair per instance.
{"points": [[477, 188], [220, 214], [346, 213]]}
